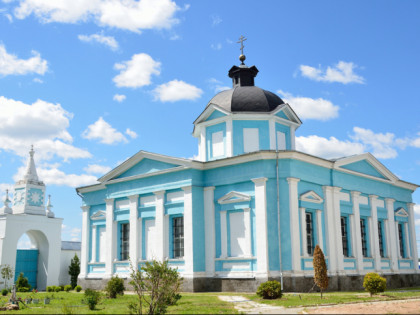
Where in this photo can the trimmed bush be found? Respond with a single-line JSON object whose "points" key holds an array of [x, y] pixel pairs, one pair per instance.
{"points": [[92, 298], [115, 286], [61, 287], [78, 288], [67, 288], [4, 292], [50, 288], [374, 283], [57, 289], [270, 290]]}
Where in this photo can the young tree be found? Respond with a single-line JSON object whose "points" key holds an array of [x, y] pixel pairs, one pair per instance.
{"points": [[320, 269], [7, 274], [74, 270]]}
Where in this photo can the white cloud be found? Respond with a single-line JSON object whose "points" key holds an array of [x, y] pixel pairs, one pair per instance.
{"points": [[119, 97], [417, 209], [136, 72], [42, 124], [342, 72], [217, 46], [72, 233], [417, 222], [380, 144], [218, 85], [215, 20], [123, 14], [104, 132], [132, 134], [97, 169], [416, 142], [327, 148], [38, 80], [177, 90], [101, 39], [310, 108], [12, 65]]}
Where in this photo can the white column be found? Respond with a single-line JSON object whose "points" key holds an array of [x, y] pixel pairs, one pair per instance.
{"points": [[261, 225], [407, 241], [292, 137], [223, 234], [94, 245], [319, 229], [188, 231], [330, 229], [229, 136], [272, 131], [202, 145], [337, 220], [392, 237], [294, 222], [357, 246], [85, 242], [413, 240], [160, 232], [134, 227], [111, 238], [247, 224], [376, 254], [140, 240], [303, 231], [209, 229], [398, 240]]}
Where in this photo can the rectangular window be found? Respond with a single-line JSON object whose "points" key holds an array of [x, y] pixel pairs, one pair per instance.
{"points": [[281, 141], [178, 237], [344, 236], [251, 140], [149, 239], [125, 241], [309, 233], [218, 146], [381, 240], [363, 236], [237, 234], [401, 240], [102, 244]]}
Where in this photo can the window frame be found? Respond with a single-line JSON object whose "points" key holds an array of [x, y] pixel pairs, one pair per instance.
{"points": [[310, 235], [401, 240], [364, 237], [381, 235], [177, 252], [345, 239], [124, 238]]}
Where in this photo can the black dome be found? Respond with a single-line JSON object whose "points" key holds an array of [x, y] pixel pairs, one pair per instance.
{"points": [[246, 99]]}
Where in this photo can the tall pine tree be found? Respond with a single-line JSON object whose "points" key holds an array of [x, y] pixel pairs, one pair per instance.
{"points": [[74, 270], [320, 269]]}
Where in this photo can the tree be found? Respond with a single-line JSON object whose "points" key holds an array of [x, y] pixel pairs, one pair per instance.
{"points": [[320, 269], [161, 282], [7, 274], [374, 283], [22, 283], [74, 270]]}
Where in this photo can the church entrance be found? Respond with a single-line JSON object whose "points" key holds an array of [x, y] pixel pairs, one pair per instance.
{"points": [[27, 263]]}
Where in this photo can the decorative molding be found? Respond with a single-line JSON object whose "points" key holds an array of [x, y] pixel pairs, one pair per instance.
{"points": [[99, 215], [311, 196], [401, 212], [233, 197]]}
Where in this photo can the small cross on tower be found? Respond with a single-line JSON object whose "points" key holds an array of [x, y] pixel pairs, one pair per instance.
{"points": [[241, 41]]}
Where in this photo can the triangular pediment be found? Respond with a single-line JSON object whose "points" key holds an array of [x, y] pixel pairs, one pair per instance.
{"points": [[211, 112], [99, 215], [365, 164], [285, 112], [233, 197], [400, 212], [146, 166], [311, 196]]}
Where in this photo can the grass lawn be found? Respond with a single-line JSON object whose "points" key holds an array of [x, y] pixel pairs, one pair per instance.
{"points": [[71, 303], [313, 299]]}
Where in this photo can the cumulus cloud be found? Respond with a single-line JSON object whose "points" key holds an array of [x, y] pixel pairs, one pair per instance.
{"points": [[129, 15], [104, 132], [119, 98], [342, 72], [108, 41], [72, 233], [12, 65], [310, 108], [136, 72], [177, 90], [132, 134], [96, 169], [42, 124], [217, 85], [417, 209], [382, 145]]}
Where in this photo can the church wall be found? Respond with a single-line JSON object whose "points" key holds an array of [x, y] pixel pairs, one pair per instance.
{"points": [[210, 130], [286, 130], [238, 134]]}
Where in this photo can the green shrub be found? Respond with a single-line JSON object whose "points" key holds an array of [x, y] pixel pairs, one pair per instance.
{"points": [[61, 287], [374, 283], [78, 288], [270, 290], [115, 286], [22, 284], [4, 292], [57, 289], [92, 298], [67, 288], [50, 288]]}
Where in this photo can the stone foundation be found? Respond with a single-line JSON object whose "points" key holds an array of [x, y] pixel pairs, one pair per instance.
{"points": [[290, 284]]}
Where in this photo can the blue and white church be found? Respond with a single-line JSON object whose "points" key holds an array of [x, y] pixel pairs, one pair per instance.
{"points": [[250, 208]]}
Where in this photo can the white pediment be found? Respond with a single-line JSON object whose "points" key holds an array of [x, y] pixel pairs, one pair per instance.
{"points": [[99, 215], [233, 197], [311, 196], [400, 212]]}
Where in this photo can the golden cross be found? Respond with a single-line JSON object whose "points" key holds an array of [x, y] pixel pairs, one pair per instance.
{"points": [[241, 41]]}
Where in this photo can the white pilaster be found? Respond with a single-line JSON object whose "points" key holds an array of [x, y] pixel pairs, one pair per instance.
{"points": [[407, 241], [357, 245], [202, 145], [330, 229], [94, 245], [376, 254], [160, 232], [392, 237], [294, 222], [223, 234], [111, 238], [247, 225], [229, 137], [188, 231], [85, 242], [209, 228], [413, 241], [134, 228], [292, 137], [303, 232], [272, 131], [398, 240], [319, 229], [337, 222], [261, 225]]}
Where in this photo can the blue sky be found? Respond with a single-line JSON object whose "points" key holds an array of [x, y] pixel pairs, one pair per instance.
{"points": [[92, 82]]}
